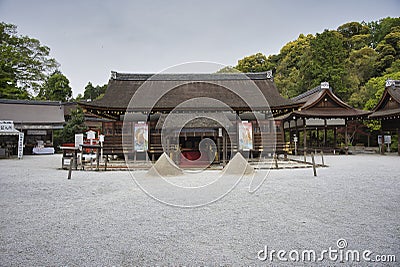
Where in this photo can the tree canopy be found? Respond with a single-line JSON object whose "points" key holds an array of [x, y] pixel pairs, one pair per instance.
{"points": [[56, 88], [24, 63], [355, 59]]}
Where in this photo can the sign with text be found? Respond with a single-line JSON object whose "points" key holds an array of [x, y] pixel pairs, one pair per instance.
{"points": [[78, 140], [91, 135], [20, 145], [387, 139], [36, 132], [7, 126]]}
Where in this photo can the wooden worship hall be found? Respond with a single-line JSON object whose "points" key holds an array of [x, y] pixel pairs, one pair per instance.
{"points": [[258, 118], [314, 120]]}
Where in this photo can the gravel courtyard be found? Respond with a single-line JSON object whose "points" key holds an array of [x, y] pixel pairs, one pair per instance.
{"points": [[104, 219]]}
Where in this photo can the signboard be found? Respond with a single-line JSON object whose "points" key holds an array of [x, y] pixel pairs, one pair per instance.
{"points": [[78, 140], [245, 136], [380, 140], [91, 135], [389, 83], [20, 145], [36, 132], [387, 139], [220, 132], [7, 126], [324, 85], [141, 131]]}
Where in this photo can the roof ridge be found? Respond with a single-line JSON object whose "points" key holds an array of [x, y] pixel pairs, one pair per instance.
{"points": [[30, 102], [309, 92], [189, 76]]}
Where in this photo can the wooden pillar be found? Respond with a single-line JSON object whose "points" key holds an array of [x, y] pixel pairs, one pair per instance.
{"points": [[218, 159], [290, 134], [346, 146], [334, 137], [224, 148], [304, 135], [325, 133], [398, 141]]}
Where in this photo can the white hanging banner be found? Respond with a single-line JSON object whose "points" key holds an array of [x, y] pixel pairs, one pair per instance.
{"points": [[20, 145], [141, 136], [245, 136]]}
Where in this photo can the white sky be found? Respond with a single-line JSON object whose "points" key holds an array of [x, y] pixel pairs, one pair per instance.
{"points": [[91, 38]]}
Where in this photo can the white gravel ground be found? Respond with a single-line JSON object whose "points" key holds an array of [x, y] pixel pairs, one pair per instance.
{"points": [[104, 219]]}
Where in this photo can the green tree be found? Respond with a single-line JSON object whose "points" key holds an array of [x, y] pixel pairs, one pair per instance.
{"points": [[75, 125], [24, 63], [56, 88], [356, 35], [288, 77], [376, 86], [254, 63], [379, 29], [326, 62], [228, 69], [94, 92]]}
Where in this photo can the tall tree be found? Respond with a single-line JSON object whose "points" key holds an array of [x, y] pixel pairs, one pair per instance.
{"points": [[254, 63], [24, 63], [75, 125], [288, 77], [327, 62], [56, 88], [94, 92]]}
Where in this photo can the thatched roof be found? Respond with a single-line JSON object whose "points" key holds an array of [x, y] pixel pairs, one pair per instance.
{"points": [[122, 87], [323, 103]]}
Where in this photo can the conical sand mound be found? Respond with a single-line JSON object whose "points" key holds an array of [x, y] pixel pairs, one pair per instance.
{"points": [[238, 165], [164, 167]]}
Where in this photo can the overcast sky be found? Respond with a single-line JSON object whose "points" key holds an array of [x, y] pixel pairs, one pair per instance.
{"points": [[91, 38]]}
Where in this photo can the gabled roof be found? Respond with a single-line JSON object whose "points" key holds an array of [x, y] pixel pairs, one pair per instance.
{"points": [[323, 103], [302, 98], [389, 104], [32, 112], [123, 86]]}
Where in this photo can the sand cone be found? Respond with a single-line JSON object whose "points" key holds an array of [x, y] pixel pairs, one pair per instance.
{"points": [[238, 165], [164, 166]]}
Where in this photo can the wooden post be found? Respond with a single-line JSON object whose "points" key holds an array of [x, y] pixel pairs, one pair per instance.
{"points": [[313, 164], [276, 161], [105, 163], [97, 159], [304, 135], [334, 138], [325, 133], [346, 147], [71, 162], [322, 158], [75, 157], [398, 141], [224, 148]]}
